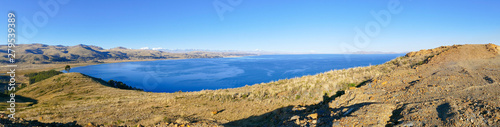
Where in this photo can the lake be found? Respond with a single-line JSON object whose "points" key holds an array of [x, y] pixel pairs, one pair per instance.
{"points": [[217, 73]]}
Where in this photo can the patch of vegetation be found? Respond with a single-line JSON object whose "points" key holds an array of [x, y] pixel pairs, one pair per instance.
{"points": [[244, 96], [425, 61], [39, 76], [346, 86], [168, 120], [297, 97], [119, 122], [352, 85], [121, 85]]}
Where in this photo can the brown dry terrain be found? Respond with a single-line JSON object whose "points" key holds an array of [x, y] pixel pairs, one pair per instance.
{"points": [[446, 86], [47, 54], [39, 57]]}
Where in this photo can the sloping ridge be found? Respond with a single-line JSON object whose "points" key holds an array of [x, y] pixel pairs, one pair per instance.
{"points": [[455, 87], [63, 84], [467, 53], [70, 97]]}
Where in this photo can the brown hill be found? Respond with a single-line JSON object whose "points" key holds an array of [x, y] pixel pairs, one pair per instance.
{"points": [[446, 86], [40, 53]]}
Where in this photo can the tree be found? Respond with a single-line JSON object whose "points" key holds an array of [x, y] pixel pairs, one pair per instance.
{"points": [[67, 68], [112, 83]]}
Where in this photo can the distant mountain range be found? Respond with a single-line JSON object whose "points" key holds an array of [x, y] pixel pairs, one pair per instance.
{"points": [[187, 50], [375, 52], [41, 53]]}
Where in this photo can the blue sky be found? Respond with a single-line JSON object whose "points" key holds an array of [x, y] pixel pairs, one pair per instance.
{"points": [[298, 26]]}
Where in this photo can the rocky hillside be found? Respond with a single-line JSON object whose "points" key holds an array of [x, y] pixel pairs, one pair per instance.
{"points": [[40, 53], [446, 86], [453, 86]]}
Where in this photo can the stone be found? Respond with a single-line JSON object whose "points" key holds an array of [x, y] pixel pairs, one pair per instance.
{"points": [[313, 116], [90, 125], [295, 117]]}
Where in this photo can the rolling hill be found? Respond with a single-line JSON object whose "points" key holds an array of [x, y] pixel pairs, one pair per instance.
{"points": [[41, 53]]}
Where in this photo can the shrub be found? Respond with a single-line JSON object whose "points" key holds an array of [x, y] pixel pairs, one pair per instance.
{"points": [[244, 96], [39, 76], [121, 85], [352, 85], [297, 97]]}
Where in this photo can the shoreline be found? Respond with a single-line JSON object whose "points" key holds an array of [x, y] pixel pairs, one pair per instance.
{"points": [[318, 73], [60, 67], [148, 60], [30, 68]]}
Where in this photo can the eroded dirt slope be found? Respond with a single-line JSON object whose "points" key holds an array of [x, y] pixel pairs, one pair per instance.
{"points": [[457, 87]]}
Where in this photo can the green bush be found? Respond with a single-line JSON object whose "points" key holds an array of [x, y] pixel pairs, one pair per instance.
{"points": [[352, 85], [39, 76], [121, 85], [297, 97]]}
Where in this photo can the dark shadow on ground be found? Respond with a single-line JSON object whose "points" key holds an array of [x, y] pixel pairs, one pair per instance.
{"points": [[369, 81], [34, 123], [283, 116], [18, 99], [396, 116], [444, 112]]}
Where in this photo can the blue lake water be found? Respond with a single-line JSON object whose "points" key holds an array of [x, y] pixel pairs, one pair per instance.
{"points": [[217, 73]]}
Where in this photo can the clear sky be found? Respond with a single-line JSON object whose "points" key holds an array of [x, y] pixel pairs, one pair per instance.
{"points": [[304, 26]]}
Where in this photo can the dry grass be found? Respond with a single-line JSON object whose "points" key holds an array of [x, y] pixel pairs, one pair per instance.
{"points": [[73, 96]]}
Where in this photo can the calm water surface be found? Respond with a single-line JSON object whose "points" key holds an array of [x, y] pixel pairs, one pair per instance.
{"points": [[199, 74]]}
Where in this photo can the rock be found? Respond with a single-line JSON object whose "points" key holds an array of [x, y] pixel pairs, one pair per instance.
{"points": [[348, 111], [90, 125], [224, 121], [214, 112], [313, 116], [297, 108], [295, 117], [408, 124]]}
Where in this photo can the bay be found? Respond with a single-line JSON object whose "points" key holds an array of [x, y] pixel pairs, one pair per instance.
{"points": [[219, 73]]}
